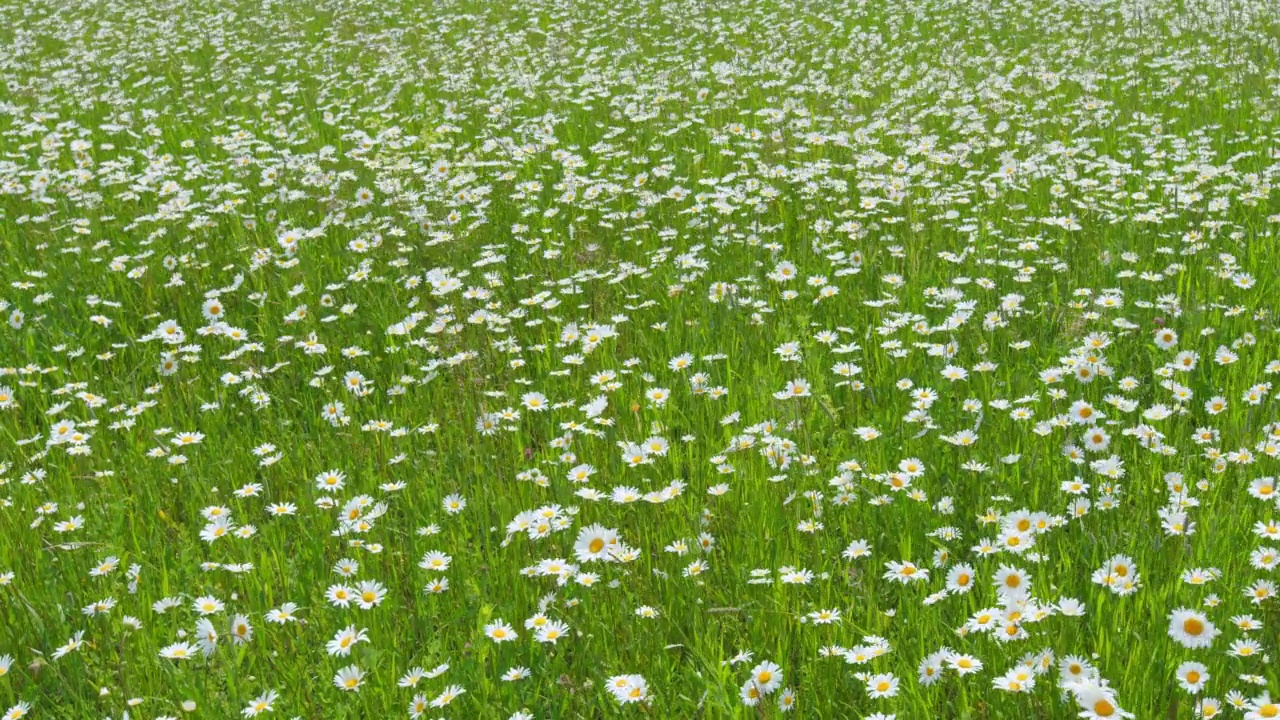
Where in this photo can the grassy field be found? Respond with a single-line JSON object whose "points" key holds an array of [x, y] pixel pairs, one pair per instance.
{"points": [[639, 359]]}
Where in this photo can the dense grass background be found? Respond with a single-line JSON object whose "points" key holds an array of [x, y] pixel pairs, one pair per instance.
{"points": [[975, 180]]}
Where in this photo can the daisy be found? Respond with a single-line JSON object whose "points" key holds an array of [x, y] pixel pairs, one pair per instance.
{"points": [[1097, 702], [1192, 676], [593, 543], [178, 651], [500, 632], [767, 676], [262, 703], [551, 632], [884, 685], [965, 664], [1191, 629], [349, 678], [345, 640]]}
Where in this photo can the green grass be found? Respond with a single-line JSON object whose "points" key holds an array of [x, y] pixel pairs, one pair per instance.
{"points": [[473, 188]]}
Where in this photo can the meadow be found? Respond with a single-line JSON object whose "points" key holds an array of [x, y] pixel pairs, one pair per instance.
{"points": [[649, 358]]}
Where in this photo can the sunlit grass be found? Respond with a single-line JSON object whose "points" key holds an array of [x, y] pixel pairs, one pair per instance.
{"points": [[638, 359]]}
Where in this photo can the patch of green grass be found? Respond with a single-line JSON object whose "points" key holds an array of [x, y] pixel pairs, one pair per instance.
{"points": [[841, 327]]}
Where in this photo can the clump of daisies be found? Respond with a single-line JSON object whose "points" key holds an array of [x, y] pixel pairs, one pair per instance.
{"points": [[627, 689]]}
